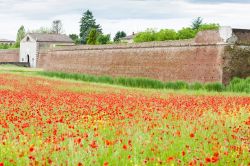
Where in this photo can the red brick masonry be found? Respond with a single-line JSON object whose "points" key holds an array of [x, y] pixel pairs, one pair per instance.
{"points": [[9, 55]]}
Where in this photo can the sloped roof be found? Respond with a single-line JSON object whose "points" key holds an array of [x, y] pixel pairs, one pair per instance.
{"points": [[39, 37], [129, 37]]}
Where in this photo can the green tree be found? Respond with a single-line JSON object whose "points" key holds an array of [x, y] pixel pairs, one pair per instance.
{"points": [[92, 37], [88, 23], [166, 34], [147, 36], [75, 38], [20, 35], [197, 23], [119, 35], [103, 39], [186, 33]]}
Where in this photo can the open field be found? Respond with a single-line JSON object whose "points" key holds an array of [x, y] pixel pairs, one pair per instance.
{"points": [[48, 121]]}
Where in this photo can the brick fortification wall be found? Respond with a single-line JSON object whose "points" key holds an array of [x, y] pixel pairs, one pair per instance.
{"points": [[236, 57], [207, 58], [9, 55]]}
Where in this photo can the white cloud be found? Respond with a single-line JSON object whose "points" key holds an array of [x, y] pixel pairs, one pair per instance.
{"points": [[113, 15]]}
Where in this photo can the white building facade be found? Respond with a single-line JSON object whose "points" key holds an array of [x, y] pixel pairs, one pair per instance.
{"points": [[32, 43]]}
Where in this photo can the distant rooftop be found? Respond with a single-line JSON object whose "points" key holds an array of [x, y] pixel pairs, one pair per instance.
{"points": [[129, 37], [6, 41], [39, 37]]}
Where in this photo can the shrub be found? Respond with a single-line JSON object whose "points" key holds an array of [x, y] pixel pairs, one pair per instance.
{"points": [[169, 34], [103, 39], [204, 27], [166, 34], [147, 36], [92, 37], [186, 33]]}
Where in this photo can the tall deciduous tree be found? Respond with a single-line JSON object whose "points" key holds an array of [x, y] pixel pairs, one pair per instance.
{"points": [[119, 35], [86, 24], [197, 23], [92, 37], [57, 27], [20, 35]]}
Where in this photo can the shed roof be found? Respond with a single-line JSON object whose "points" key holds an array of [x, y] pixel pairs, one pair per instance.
{"points": [[39, 37]]}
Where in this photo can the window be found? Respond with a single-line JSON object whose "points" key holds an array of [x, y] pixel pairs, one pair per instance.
{"points": [[28, 39]]}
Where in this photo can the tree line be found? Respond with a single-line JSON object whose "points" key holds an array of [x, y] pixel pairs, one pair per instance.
{"points": [[91, 32], [171, 34]]}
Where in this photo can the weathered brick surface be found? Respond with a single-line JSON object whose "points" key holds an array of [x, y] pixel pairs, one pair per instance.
{"points": [[236, 62], [42, 56], [9, 55], [242, 36], [185, 62], [210, 57]]}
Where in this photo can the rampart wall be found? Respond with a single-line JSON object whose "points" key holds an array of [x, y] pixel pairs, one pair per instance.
{"points": [[9, 55]]}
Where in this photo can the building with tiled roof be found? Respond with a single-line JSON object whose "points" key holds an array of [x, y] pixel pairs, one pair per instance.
{"points": [[32, 44]]}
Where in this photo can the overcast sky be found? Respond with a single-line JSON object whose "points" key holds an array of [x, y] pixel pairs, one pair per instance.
{"points": [[114, 15]]}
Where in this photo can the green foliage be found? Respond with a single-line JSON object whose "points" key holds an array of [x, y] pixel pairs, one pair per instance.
{"points": [[86, 24], [140, 82], [186, 33], [236, 85], [8, 46], [166, 34], [92, 37], [196, 86], [147, 36], [169, 34], [103, 39], [239, 85], [217, 87], [176, 85], [20, 35], [75, 38], [212, 26], [197, 23], [119, 35]]}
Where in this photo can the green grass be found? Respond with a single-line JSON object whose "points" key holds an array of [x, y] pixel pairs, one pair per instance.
{"points": [[151, 129], [239, 85], [236, 85]]}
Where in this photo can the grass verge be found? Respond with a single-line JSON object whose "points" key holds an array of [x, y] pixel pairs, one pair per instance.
{"points": [[236, 85]]}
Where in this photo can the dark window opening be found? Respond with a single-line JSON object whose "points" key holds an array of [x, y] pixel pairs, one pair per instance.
{"points": [[28, 58]]}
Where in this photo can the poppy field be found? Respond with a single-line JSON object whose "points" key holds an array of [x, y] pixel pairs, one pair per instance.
{"points": [[56, 122]]}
